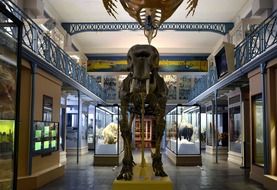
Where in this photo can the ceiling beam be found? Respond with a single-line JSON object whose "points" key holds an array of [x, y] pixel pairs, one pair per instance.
{"points": [[216, 27]]}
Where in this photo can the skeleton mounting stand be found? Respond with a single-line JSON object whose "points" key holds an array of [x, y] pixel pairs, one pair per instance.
{"points": [[142, 95]]}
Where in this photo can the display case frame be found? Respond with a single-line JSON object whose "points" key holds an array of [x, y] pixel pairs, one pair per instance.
{"points": [[183, 129], [108, 147]]}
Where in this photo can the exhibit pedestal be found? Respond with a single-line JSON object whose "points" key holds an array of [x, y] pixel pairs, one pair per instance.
{"points": [[235, 157], [143, 178], [222, 151], [184, 160], [107, 160]]}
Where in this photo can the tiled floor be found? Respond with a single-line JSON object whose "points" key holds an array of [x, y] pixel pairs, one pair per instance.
{"points": [[212, 176]]}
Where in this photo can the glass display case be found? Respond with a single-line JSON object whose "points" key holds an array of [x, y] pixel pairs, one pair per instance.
{"points": [[235, 129], [90, 130], [10, 69], [108, 140], [258, 140], [203, 134], [210, 128], [183, 134]]}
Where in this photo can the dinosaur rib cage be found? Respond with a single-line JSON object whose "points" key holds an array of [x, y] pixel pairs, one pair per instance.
{"points": [[158, 10], [153, 14]]}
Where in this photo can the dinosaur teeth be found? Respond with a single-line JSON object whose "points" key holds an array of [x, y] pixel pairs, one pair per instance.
{"points": [[132, 85], [147, 86]]}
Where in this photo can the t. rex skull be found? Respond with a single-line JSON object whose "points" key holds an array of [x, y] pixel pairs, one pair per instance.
{"points": [[143, 61]]}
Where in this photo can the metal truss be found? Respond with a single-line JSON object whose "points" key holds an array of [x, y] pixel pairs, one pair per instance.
{"points": [[220, 28]]}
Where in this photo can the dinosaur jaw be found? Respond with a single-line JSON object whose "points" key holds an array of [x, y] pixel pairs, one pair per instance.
{"points": [[142, 86]]}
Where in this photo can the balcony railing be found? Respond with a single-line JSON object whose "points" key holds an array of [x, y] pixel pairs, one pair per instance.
{"points": [[256, 43], [43, 46]]}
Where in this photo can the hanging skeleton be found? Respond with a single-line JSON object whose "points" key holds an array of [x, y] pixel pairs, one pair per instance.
{"points": [[150, 14]]}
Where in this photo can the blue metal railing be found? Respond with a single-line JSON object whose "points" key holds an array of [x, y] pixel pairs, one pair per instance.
{"points": [[260, 40], [43, 46]]}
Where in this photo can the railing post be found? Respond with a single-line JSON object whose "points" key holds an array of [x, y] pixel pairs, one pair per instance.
{"points": [[34, 41], [46, 49]]}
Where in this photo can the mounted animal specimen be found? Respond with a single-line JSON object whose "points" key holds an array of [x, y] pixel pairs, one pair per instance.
{"points": [[143, 63], [150, 14]]}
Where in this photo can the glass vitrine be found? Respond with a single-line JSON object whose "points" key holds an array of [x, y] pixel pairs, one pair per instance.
{"points": [[235, 129], [108, 140], [10, 63], [258, 139], [183, 130]]}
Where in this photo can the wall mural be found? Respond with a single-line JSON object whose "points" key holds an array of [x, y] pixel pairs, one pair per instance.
{"points": [[167, 63]]}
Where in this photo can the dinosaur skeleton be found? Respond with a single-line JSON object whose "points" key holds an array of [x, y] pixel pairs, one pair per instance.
{"points": [[150, 14], [142, 86]]}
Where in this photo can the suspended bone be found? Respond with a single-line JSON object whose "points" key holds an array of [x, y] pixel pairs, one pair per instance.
{"points": [[158, 10]]}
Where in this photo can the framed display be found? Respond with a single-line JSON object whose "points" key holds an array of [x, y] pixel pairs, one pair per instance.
{"points": [[224, 60], [6, 136], [47, 108], [45, 137]]}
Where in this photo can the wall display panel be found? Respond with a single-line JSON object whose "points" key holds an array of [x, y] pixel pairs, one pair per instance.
{"points": [[235, 129], [108, 139], [110, 87], [171, 83], [185, 84], [45, 137], [183, 130], [171, 63], [179, 85], [98, 79], [6, 152], [258, 140]]}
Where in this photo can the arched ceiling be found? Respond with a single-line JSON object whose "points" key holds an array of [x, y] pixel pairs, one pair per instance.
{"points": [[166, 41]]}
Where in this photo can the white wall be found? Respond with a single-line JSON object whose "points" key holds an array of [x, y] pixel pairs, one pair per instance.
{"points": [[274, 4]]}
